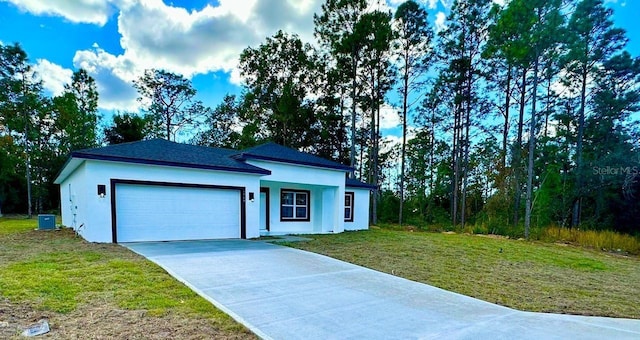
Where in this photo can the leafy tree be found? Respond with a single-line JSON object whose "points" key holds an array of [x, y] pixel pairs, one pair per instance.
{"points": [[220, 124], [609, 138], [375, 29], [77, 113], [592, 40], [278, 76], [335, 28], [412, 47], [127, 127], [499, 52], [288, 98], [45, 161], [12, 186], [170, 100], [543, 37], [461, 51], [510, 39], [332, 141], [21, 92]]}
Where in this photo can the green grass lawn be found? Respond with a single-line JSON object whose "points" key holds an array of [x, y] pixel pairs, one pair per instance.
{"points": [[57, 275], [530, 276]]}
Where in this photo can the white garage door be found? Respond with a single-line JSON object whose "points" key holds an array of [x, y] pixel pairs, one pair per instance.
{"points": [[166, 213]]}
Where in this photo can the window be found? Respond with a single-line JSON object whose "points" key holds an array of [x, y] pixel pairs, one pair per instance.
{"points": [[294, 205], [348, 206]]}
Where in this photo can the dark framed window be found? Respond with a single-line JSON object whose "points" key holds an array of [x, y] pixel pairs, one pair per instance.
{"points": [[295, 205], [348, 206]]}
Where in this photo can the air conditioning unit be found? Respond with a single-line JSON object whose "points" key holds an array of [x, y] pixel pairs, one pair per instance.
{"points": [[46, 222]]}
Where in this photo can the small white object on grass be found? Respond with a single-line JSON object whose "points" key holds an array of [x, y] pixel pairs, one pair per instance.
{"points": [[42, 327]]}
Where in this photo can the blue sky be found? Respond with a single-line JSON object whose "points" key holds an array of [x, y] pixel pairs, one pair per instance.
{"points": [[115, 40]]}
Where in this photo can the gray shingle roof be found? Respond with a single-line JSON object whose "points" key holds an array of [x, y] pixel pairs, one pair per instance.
{"points": [[163, 152], [354, 183], [279, 153]]}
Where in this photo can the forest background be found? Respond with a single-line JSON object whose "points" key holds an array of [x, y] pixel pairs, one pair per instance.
{"points": [[515, 116]]}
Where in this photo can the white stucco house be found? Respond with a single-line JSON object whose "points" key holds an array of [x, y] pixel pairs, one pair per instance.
{"points": [[157, 190]]}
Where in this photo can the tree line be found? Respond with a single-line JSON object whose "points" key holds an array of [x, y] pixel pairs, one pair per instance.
{"points": [[513, 117]]}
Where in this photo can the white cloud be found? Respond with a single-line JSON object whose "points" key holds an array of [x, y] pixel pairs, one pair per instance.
{"points": [[114, 78], [189, 43], [392, 141], [156, 35], [389, 117], [441, 19], [447, 3], [78, 11], [54, 77]]}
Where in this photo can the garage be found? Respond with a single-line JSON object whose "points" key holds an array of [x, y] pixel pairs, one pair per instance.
{"points": [[152, 211]]}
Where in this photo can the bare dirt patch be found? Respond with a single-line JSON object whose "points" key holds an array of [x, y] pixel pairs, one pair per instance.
{"points": [[107, 322]]}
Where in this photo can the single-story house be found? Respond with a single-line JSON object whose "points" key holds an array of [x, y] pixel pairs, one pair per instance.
{"points": [[157, 190]]}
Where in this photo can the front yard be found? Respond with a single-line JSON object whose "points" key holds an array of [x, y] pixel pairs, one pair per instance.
{"points": [[530, 276], [90, 290]]}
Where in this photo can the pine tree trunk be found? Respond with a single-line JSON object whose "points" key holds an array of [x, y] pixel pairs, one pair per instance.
{"points": [[354, 71], [532, 148], [372, 156], [505, 129], [518, 150], [27, 151], [431, 162], [376, 174], [405, 94], [467, 142], [548, 107], [28, 172], [465, 170], [168, 125], [575, 221], [455, 163]]}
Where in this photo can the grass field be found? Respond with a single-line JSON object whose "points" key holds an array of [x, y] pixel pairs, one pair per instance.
{"points": [[530, 276], [105, 291], [96, 290]]}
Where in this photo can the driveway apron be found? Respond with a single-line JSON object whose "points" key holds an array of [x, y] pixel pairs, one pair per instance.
{"points": [[284, 293]]}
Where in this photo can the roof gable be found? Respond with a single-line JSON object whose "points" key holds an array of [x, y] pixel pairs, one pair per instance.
{"points": [[278, 153], [163, 152]]}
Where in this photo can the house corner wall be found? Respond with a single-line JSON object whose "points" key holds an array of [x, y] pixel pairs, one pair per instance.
{"points": [[360, 209], [338, 208], [73, 200]]}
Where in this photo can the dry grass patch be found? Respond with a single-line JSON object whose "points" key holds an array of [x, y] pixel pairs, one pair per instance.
{"points": [[605, 240], [525, 275], [96, 290]]}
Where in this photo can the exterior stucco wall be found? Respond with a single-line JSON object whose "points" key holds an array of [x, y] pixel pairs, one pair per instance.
{"points": [[73, 200], [326, 188], [323, 217], [360, 209], [96, 211]]}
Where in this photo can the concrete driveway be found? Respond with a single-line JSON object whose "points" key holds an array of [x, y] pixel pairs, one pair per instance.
{"points": [[284, 293]]}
